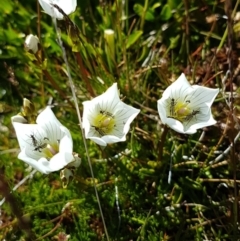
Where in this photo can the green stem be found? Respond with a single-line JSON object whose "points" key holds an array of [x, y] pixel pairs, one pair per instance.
{"points": [[80, 124]]}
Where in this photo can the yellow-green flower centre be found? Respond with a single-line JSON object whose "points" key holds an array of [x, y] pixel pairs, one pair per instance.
{"points": [[180, 110], [104, 123], [50, 150]]}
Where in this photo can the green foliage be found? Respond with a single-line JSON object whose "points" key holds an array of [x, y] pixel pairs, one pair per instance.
{"points": [[154, 42]]}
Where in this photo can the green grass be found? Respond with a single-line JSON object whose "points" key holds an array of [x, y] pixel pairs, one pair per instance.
{"points": [[154, 43]]}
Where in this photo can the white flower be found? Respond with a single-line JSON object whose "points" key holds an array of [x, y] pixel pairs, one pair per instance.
{"points": [[106, 119], [31, 43], [46, 146], [186, 108], [68, 6]]}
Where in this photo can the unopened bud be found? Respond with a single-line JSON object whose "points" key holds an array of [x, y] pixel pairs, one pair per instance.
{"points": [[237, 17], [31, 43], [66, 175], [19, 119], [109, 43]]}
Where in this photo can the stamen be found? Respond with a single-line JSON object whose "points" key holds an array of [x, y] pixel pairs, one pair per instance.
{"points": [[179, 110], [50, 151], [104, 123]]}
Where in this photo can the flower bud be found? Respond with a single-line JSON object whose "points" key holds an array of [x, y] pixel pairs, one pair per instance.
{"points": [[66, 175], [109, 43], [19, 119], [31, 43]]}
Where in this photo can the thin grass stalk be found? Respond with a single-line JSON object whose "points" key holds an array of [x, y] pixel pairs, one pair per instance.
{"points": [[228, 10], [40, 50], [144, 14], [221, 44], [187, 30], [80, 121]]}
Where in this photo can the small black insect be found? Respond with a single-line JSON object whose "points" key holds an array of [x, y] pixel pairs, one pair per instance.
{"points": [[190, 116], [172, 107], [34, 140], [100, 131], [106, 113], [40, 147]]}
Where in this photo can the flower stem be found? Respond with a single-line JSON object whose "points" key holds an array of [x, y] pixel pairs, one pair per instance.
{"points": [[40, 51], [161, 142], [80, 122]]}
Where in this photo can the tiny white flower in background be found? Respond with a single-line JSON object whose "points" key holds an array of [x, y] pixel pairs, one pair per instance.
{"points": [[106, 119], [46, 146], [68, 6], [31, 43], [186, 108]]}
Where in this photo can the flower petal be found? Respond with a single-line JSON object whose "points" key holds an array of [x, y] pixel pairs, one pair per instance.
{"points": [[178, 88], [113, 139], [59, 161], [55, 130], [98, 140], [201, 97], [88, 113], [178, 126], [27, 133], [19, 119], [125, 115], [66, 144], [41, 166], [47, 116], [68, 6], [49, 9], [108, 100], [203, 121], [161, 105]]}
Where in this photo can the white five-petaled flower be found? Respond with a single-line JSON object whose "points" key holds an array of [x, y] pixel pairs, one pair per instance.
{"points": [[68, 7], [106, 119], [46, 146], [186, 108]]}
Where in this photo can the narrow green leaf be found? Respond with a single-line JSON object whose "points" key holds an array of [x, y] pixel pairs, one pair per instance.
{"points": [[236, 27], [138, 9], [133, 38], [174, 42], [166, 13], [150, 15]]}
